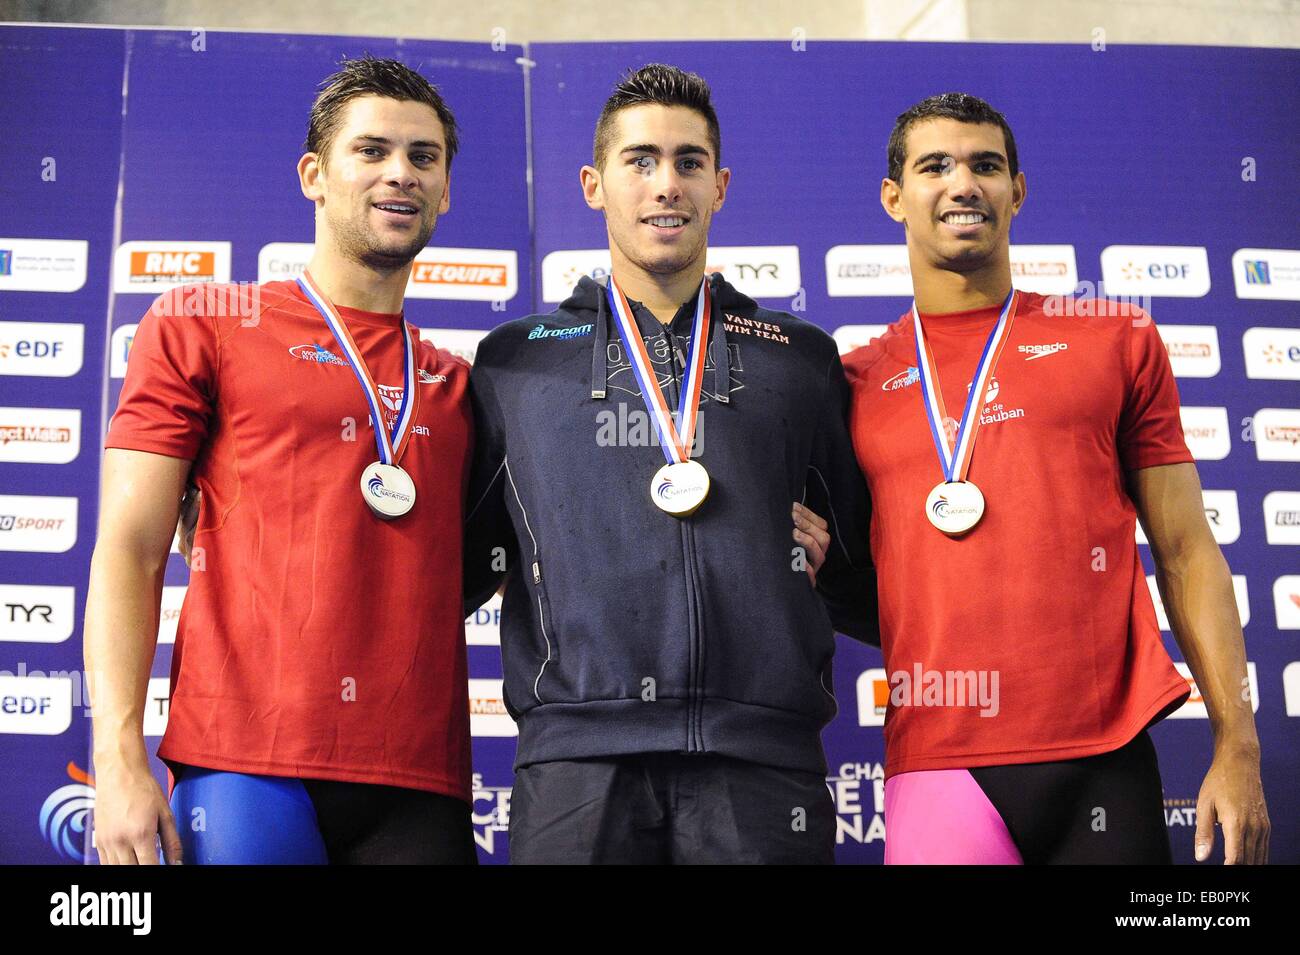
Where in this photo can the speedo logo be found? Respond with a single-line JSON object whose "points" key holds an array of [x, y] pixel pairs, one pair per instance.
{"points": [[902, 379], [317, 354], [1039, 351]]}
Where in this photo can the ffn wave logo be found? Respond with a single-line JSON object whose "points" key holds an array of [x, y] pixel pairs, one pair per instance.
{"points": [[65, 814]]}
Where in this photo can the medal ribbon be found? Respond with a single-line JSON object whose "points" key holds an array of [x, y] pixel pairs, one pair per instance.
{"points": [[674, 437], [391, 446], [956, 460]]}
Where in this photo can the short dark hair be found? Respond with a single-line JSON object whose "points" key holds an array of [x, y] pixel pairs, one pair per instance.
{"points": [[366, 76], [667, 86], [959, 106]]}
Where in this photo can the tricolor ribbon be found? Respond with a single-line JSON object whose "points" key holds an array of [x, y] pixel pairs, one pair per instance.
{"points": [[956, 459], [391, 446], [680, 434]]}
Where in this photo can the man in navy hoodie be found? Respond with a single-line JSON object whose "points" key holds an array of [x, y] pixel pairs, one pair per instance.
{"points": [[666, 656]]}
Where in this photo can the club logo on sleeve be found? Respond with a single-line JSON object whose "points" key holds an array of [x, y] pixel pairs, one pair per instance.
{"points": [[1267, 273], [1277, 434]]}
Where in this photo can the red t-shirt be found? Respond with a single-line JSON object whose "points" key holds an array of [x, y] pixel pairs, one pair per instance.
{"points": [[316, 640], [1040, 616]]}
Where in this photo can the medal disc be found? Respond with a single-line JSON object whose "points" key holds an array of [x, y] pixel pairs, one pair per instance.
{"points": [[388, 490], [954, 507], [680, 488]]}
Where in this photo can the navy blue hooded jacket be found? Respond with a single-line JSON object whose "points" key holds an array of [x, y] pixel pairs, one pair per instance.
{"points": [[624, 629]]}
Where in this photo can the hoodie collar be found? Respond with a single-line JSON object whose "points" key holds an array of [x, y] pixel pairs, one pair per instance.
{"points": [[589, 295]]}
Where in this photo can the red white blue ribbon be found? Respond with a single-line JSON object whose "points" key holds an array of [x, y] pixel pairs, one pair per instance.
{"points": [[956, 458], [675, 438], [391, 446]]}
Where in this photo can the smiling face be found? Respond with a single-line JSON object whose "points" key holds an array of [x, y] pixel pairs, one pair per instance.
{"points": [[659, 187], [957, 196], [383, 183]]}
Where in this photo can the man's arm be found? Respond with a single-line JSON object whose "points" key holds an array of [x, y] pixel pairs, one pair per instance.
{"points": [[490, 545], [140, 498], [1196, 588]]}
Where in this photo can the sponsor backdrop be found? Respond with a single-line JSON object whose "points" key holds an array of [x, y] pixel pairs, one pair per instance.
{"points": [[172, 161]]}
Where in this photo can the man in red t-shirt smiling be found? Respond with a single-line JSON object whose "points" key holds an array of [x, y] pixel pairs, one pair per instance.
{"points": [[319, 708], [1020, 641]]}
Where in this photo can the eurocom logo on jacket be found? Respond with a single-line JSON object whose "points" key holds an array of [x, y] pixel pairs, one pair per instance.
{"points": [[626, 630]]}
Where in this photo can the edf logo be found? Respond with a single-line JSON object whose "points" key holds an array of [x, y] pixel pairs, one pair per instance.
{"points": [[1168, 270], [25, 705], [32, 348]]}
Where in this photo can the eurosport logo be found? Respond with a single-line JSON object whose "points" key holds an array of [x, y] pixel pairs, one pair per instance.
{"points": [[36, 613], [1221, 513], [46, 525], [1277, 434], [317, 354], [1272, 353], [465, 275], [487, 710], [35, 705], [66, 815], [850, 337], [1267, 273], [1206, 432], [1194, 708], [867, 270], [759, 271], [1193, 349], [153, 267], [1286, 602], [41, 349], [1180, 271], [483, 626], [40, 435], [1282, 517], [883, 270], [43, 265], [1239, 591], [461, 342]]}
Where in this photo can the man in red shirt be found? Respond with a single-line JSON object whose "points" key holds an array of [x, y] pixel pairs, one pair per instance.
{"points": [[1020, 641], [319, 705]]}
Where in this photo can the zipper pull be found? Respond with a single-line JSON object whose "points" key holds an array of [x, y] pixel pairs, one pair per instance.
{"points": [[681, 358], [537, 572]]}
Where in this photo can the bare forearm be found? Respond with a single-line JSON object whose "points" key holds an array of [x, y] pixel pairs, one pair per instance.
{"points": [[121, 633], [1197, 592]]}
